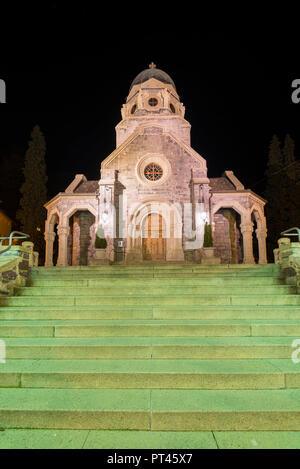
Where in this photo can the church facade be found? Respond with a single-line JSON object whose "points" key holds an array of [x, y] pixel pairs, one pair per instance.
{"points": [[154, 196]]}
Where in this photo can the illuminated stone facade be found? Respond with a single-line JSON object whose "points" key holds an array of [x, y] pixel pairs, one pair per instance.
{"points": [[154, 196]]}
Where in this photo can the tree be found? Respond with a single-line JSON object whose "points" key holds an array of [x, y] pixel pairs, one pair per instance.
{"points": [[11, 178], [289, 150], [208, 238], [277, 195], [31, 212], [282, 193], [294, 183], [275, 160]]}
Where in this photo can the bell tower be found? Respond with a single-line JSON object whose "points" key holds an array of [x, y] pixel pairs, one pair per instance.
{"points": [[153, 99]]}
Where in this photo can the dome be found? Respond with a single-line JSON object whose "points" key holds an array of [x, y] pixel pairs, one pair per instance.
{"points": [[152, 72]]}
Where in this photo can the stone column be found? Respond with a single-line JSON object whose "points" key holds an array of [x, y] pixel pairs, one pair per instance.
{"points": [[246, 229], [261, 234], [49, 238], [28, 245], [63, 233]]}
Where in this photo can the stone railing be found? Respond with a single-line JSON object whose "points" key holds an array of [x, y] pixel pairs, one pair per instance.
{"points": [[288, 256], [15, 265]]}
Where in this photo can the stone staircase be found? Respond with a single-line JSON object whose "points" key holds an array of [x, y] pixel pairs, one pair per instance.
{"points": [[171, 356]]}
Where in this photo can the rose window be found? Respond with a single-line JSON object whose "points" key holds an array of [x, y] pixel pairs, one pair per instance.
{"points": [[153, 172]]}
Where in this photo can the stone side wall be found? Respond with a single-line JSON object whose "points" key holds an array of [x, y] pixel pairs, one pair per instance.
{"points": [[86, 219], [76, 241], [239, 245], [222, 238], [230, 250], [80, 248]]}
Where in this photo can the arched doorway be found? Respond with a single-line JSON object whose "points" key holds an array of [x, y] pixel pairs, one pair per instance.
{"points": [[80, 239], [228, 241], [153, 238]]}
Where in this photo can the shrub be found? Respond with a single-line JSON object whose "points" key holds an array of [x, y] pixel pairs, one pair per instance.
{"points": [[208, 239], [100, 243]]}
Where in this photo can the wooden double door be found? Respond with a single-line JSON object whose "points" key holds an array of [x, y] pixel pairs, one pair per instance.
{"points": [[154, 243]]}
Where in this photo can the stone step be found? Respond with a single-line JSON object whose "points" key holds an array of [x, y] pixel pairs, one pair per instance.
{"points": [[140, 312], [149, 374], [181, 270], [158, 410], [208, 348], [132, 439], [151, 300], [155, 290], [154, 349], [56, 281], [158, 266], [109, 439], [155, 274], [148, 328]]}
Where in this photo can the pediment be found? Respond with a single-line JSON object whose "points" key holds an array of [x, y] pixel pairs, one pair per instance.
{"points": [[151, 129]]}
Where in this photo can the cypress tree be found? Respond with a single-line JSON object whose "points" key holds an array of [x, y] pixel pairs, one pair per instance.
{"points": [[275, 161], [275, 194], [31, 213], [289, 150], [11, 179], [208, 239], [293, 181]]}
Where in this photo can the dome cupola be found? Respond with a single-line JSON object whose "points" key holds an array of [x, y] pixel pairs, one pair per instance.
{"points": [[152, 72], [153, 101]]}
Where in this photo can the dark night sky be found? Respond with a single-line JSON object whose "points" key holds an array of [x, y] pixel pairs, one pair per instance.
{"points": [[237, 94]]}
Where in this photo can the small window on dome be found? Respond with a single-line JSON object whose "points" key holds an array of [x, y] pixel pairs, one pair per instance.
{"points": [[133, 109], [153, 102], [172, 108]]}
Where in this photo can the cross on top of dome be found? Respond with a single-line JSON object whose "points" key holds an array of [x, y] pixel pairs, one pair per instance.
{"points": [[152, 72]]}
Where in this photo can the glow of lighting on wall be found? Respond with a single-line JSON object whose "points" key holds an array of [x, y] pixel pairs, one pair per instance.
{"points": [[104, 218], [201, 217]]}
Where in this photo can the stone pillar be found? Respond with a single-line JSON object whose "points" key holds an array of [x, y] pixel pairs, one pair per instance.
{"points": [[173, 242], [63, 233], [49, 238], [261, 234], [86, 219], [28, 245], [246, 229]]}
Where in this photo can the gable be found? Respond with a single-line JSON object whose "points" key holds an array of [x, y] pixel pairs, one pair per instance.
{"points": [[152, 139]]}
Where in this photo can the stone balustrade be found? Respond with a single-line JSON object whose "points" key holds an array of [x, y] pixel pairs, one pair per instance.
{"points": [[288, 256], [15, 265]]}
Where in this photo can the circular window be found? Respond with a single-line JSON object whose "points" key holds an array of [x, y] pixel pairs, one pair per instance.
{"points": [[153, 102], [172, 108], [133, 109], [153, 172]]}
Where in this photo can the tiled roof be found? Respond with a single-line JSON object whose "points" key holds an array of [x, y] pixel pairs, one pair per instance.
{"points": [[221, 184], [87, 187]]}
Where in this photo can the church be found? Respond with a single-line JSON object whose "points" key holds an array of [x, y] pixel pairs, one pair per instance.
{"points": [[154, 196]]}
